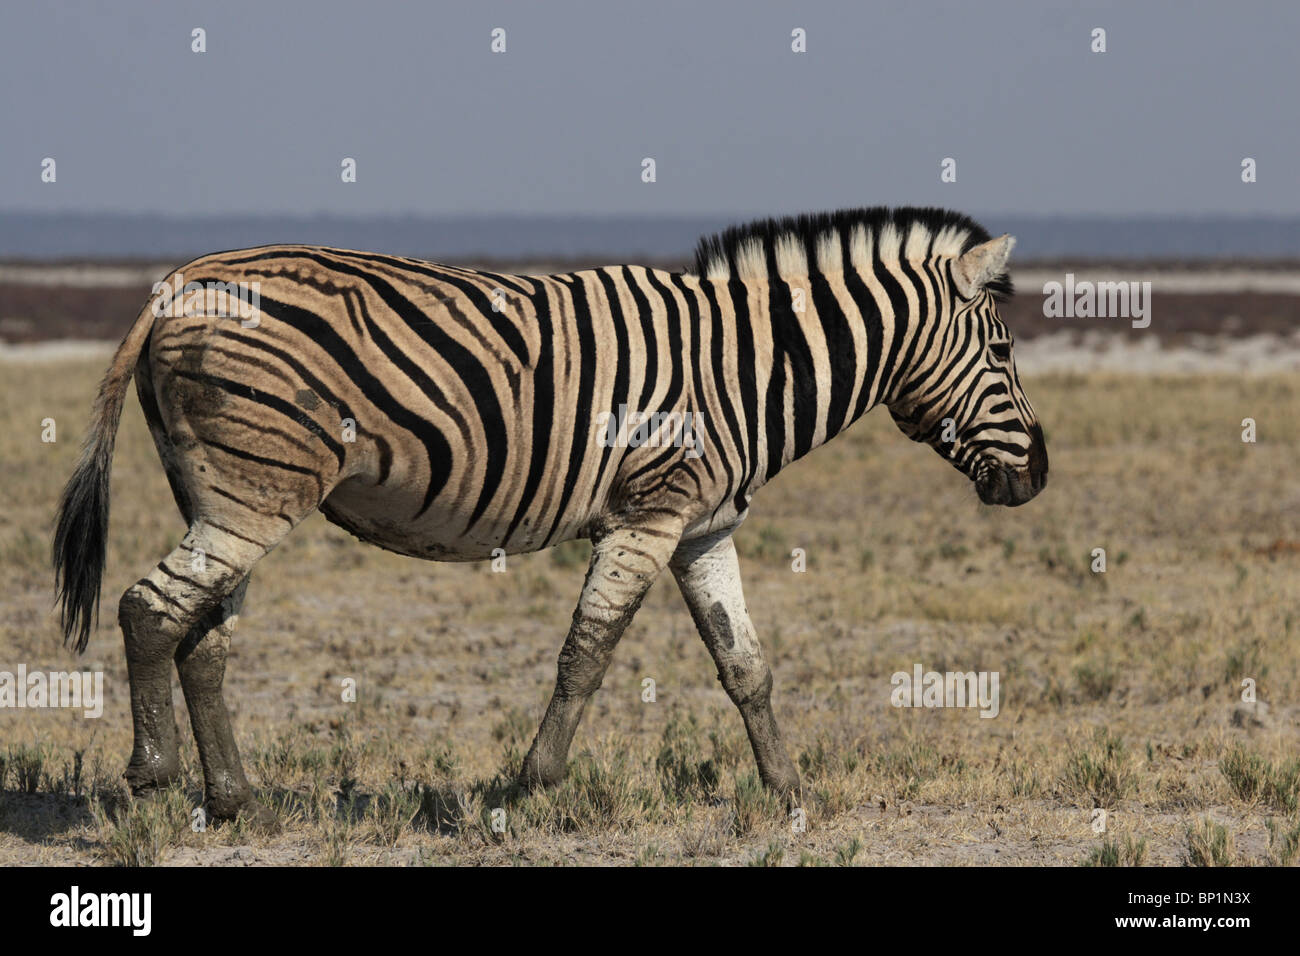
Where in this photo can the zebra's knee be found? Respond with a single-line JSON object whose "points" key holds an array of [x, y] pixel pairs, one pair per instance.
{"points": [[150, 624], [585, 656], [747, 681], [744, 674], [579, 674]]}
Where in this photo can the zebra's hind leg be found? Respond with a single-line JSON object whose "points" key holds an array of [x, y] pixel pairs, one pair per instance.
{"points": [[172, 613], [709, 577], [624, 563], [201, 663]]}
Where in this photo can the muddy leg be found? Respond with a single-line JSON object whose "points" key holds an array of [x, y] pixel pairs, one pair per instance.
{"points": [[158, 613], [150, 636], [624, 564], [709, 577], [201, 663]]}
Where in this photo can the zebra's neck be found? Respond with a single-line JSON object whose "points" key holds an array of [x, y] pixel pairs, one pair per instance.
{"points": [[815, 352], [843, 311]]}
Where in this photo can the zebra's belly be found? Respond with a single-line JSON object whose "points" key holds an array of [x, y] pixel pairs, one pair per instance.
{"points": [[387, 519]]}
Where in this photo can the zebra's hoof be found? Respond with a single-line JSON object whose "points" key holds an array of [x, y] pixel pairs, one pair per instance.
{"points": [[261, 818], [147, 780], [787, 787], [537, 775], [252, 814]]}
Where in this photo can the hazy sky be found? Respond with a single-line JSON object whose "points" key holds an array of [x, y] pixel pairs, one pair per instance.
{"points": [[736, 121]]}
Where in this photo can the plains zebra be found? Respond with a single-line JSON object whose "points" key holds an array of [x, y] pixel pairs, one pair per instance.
{"points": [[480, 407]]}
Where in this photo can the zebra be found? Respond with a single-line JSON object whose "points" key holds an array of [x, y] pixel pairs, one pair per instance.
{"points": [[479, 406]]}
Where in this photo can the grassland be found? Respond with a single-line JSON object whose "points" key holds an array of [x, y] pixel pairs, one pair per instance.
{"points": [[1120, 690]]}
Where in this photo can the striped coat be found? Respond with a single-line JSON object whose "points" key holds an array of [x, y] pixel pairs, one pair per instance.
{"points": [[453, 414]]}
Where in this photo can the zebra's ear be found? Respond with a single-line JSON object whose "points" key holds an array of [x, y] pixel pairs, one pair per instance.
{"points": [[978, 266]]}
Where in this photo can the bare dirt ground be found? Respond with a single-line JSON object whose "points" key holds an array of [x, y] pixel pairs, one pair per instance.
{"points": [[1119, 690]]}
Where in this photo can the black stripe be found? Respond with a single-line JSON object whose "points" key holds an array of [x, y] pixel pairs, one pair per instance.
{"points": [[789, 341], [622, 361], [163, 594], [985, 444], [898, 306], [583, 415], [249, 456], [931, 327], [190, 581], [674, 323], [872, 324], [746, 377], [251, 393], [234, 534], [696, 360], [302, 445], [716, 337], [543, 406], [841, 353], [675, 380], [1011, 426], [650, 353], [919, 321]]}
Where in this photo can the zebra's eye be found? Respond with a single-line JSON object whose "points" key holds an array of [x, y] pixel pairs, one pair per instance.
{"points": [[1001, 351]]}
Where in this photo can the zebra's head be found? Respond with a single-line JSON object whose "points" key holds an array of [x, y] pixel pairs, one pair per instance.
{"points": [[963, 398]]}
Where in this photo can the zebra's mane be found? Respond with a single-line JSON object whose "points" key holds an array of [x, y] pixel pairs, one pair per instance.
{"points": [[793, 244]]}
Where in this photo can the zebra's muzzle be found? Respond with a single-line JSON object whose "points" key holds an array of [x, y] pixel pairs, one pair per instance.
{"points": [[993, 486], [998, 484]]}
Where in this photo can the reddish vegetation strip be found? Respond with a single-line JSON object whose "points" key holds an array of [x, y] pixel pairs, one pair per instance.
{"points": [[35, 313], [1173, 315]]}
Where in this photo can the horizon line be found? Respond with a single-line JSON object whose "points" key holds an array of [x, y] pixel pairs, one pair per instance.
{"points": [[597, 216]]}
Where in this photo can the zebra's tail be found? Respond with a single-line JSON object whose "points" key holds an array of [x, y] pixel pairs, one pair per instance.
{"points": [[81, 529]]}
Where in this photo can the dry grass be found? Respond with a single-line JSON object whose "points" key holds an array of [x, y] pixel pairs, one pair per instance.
{"points": [[1120, 691]]}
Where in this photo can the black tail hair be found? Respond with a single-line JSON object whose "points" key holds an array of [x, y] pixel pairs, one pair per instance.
{"points": [[81, 528], [81, 545]]}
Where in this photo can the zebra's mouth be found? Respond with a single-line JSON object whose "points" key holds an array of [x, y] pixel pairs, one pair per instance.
{"points": [[997, 484]]}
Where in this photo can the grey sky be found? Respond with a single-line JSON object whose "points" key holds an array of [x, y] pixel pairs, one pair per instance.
{"points": [[736, 122]]}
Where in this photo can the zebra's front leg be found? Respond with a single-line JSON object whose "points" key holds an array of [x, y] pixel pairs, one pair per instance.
{"points": [[624, 563], [708, 574]]}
